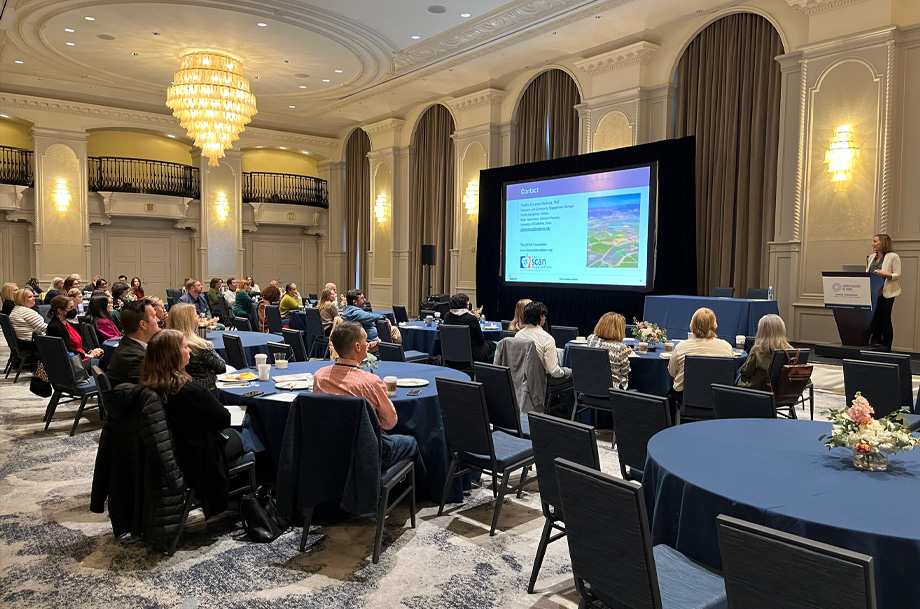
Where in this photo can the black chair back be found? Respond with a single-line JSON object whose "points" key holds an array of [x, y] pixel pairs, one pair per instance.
{"points": [[254, 315], [758, 293], [781, 358], [563, 335], [506, 323], [223, 311], [765, 568], [700, 372], [9, 334], [273, 318], [294, 338], [280, 350], [723, 292], [400, 313], [174, 294], [504, 412], [383, 330], [877, 382], [236, 355], [316, 336], [312, 296], [456, 347], [552, 438], [466, 417], [749, 343], [904, 372], [590, 371], [89, 337], [423, 313], [241, 324], [508, 334], [53, 354], [103, 385], [443, 308], [390, 352], [613, 555], [636, 418], [730, 402], [170, 302]]}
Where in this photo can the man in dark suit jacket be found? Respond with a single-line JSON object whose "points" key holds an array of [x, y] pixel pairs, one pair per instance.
{"points": [[139, 321]]}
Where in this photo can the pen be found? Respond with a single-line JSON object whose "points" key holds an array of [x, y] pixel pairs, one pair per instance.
{"points": [[267, 394]]}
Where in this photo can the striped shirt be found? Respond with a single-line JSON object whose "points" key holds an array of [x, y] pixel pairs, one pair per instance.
{"points": [[25, 321], [346, 378]]}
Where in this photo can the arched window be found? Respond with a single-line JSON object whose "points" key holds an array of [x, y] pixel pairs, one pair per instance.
{"points": [[357, 208], [547, 122]]}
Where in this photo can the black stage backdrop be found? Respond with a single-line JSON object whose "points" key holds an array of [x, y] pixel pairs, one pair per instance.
{"points": [[572, 306]]}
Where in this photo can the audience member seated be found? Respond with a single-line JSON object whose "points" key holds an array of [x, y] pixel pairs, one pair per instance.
{"points": [[160, 309], [77, 297], [254, 286], [771, 335], [608, 334], [137, 290], [97, 279], [214, 293], [461, 315], [354, 311], [61, 313], [99, 314], [328, 311], [345, 377], [121, 295], [205, 364], [229, 292], [6, 296], [140, 324], [57, 285], [198, 423], [243, 300], [534, 319], [291, 301], [270, 296], [72, 281], [35, 286], [24, 318], [703, 342], [193, 295], [518, 322]]}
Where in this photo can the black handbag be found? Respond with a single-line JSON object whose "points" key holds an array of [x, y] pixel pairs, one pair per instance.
{"points": [[40, 387], [260, 516], [80, 374]]}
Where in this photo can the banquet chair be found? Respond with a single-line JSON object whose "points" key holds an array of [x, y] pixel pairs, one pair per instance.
{"points": [[592, 381], [284, 350], [54, 356], [43, 310], [636, 418], [730, 402], [613, 559], [241, 324], [780, 358], [563, 335], [174, 294], [223, 311], [103, 384], [906, 399], [316, 336], [423, 313], [312, 297], [295, 339], [749, 343], [88, 336], [554, 437], [700, 372], [170, 302], [473, 445], [400, 313], [506, 323], [20, 352], [764, 567], [757, 294], [877, 382], [391, 352], [508, 334], [383, 330], [324, 436], [273, 318], [504, 412], [723, 292], [236, 355], [456, 347]]}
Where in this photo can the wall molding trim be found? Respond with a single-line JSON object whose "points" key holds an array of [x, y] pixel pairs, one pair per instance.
{"points": [[640, 53]]}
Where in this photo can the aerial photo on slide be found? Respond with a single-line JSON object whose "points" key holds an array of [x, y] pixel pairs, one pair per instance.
{"points": [[613, 231]]}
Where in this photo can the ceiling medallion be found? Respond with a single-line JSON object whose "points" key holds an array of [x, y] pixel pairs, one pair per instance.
{"points": [[212, 101]]}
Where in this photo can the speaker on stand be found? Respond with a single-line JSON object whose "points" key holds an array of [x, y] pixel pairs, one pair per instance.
{"points": [[428, 260]]}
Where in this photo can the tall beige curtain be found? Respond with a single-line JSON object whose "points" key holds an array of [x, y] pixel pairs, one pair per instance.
{"points": [[728, 88], [547, 122], [431, 201], [357, 209]]}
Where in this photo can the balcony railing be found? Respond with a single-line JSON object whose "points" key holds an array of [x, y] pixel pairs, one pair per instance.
{"points": [[16, 166], [116, 174], [263, 187]]}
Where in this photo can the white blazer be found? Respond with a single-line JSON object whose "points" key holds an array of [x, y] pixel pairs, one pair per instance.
{"points": [[891, 263]]}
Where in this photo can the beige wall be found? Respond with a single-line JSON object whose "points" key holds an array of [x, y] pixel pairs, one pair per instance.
{"points": [[279, 161], [15, 134], [134, 145]]}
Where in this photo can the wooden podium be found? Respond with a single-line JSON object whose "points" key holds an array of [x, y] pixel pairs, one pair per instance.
{"points": [[853, 296]]}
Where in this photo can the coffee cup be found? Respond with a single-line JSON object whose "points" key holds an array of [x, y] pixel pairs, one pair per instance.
{"points": [[669, 347], [437, 315], [281, 364], [429, 320], [260, 358], [739, 341], [580, 339], [643, 347], [264, 371], [391, 385]]}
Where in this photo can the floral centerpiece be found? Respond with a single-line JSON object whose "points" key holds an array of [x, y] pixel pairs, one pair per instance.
{"points": [[204, 324], [870, 439], [647, 332]]}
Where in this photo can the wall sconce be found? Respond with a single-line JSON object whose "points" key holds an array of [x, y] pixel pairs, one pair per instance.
{"points": [[380, 208], [62, 196], [841, 157], [222, 207], [471, 198]]}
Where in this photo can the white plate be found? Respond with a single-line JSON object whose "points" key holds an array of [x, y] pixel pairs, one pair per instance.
{"points": [[411, 382], [666, 354], [294, 385], [230, 377], [580, 342]]}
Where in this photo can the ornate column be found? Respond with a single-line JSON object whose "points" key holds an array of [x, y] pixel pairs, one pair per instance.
{"points": [[220, 243], [330, 248]]}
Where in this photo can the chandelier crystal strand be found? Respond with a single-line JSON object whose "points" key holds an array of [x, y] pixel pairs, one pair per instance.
{"points": [[212, 101]]}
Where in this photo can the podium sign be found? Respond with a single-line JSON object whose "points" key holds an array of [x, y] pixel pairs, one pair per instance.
{"points": [[848, 292]]}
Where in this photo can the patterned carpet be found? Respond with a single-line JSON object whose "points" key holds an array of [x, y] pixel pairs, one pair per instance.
{"points": [[55, 553]]}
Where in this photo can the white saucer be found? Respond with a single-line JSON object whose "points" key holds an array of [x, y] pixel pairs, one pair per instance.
{"points": [[411, 382]]}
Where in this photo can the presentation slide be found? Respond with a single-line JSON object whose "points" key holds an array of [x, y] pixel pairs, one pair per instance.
{"points": [[593, 230]]}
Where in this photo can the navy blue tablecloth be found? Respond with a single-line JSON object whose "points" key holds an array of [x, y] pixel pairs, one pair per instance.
{"points": [[776, 473], [419, 337], [419, 416], [734, 315], [253, 343]]}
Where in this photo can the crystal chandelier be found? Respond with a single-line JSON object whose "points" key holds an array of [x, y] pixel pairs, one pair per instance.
{"points": [[211, 98]]}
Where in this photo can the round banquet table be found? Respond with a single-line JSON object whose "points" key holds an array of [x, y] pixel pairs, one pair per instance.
{"points": [[253, 343], [419, 337], [419, 416], [776, 473]]}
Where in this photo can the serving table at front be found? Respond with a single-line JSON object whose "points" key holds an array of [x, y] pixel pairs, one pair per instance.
{"points": [[776, 473], [417, 336], [253, 343], [734, 315], [419, 416]]}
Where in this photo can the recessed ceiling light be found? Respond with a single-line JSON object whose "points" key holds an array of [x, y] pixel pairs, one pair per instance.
{"points": [[69, 30], [19, 61], [71, 44], [170, 135], [292, 107], [283, 147], [415, 37], [303, 151], [325, 80], [303, 86], [155, 33], [133, 53], [437, 9], [287, 61], [338, 71], [260, 24], [464, 15], [258, 146], [258, 77], [105, 36], [90, 18]]}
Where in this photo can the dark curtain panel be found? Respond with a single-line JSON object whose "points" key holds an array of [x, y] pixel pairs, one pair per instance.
{"points": [[547, 122], [357, 209], [728, 88], [431, 201]]}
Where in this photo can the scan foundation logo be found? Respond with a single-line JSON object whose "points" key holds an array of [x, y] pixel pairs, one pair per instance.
{"points": [[529, 262]]}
